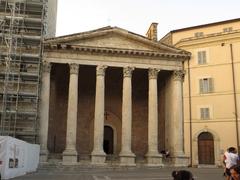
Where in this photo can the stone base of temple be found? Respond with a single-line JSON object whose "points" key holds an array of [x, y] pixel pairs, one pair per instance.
{"points": [[180, 161], [154, 160], [70, 157], [127, 159], [98, 158]]}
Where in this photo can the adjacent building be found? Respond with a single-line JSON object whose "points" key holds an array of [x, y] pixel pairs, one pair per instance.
{"points": [[211, 88], [23, 25]]}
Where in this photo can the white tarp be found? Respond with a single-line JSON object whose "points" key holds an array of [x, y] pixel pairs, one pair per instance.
{"points": [[17, 157]]}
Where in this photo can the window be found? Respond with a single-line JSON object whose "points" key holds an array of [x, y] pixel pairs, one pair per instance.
{"points": [[198, 34], [206, 85], [204, 113], [202, 57], [229, 29]]}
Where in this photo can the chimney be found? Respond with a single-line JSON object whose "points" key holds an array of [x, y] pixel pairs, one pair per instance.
{"points": [[152, 32]]}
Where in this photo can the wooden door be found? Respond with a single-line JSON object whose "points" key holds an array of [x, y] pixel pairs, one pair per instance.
{"points": [[206, 148]]}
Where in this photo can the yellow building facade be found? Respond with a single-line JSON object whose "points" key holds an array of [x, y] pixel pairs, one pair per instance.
{"points": [[211, 89]]}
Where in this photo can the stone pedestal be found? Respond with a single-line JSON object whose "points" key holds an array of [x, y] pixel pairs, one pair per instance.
{"points": [[154, 160], [127, 159], [180, 161], [70, 157], [98, 158]]}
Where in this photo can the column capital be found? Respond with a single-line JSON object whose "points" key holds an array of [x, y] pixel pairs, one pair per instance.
{"points": [[152, 73], [101, 70], [179, 75], [74, 68], [46, 66], [127, 71]]}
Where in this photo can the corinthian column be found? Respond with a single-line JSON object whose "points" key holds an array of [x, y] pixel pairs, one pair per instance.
{"points": [[126, 155], [98, 155], [153, 156], [179, 158], [44, 113], [70, 153]]}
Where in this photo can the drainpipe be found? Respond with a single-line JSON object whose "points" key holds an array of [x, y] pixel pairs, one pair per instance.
{"points": [[235, 98], [190, 114]]}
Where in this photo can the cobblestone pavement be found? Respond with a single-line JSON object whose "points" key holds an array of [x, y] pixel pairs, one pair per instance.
{"points": [[121, 174]]}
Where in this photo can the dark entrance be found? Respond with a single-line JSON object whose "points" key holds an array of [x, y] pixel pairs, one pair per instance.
{"points": [[206, 148], [108, 140]]}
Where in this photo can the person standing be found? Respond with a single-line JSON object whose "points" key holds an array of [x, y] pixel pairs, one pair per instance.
{"points": [[230, 159]]}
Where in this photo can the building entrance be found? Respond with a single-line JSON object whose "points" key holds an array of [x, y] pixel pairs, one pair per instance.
{"points": [[206, 148], [108, 140]]}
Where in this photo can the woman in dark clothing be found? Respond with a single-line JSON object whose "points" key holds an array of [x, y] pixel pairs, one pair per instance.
{"points": [[182, 175]]}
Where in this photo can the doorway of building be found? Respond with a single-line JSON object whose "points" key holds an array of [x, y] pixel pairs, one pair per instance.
{"points": [[108, 140], [206, 148]]}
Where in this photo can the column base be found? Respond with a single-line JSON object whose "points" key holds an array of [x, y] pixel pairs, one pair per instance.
{"points": [[70, 157], [127, 159], [180, 161], [98, 158], [154, 160], [43, 156]]}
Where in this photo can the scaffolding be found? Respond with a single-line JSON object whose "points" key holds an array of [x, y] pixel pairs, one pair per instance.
{"points": [[21, 37]]}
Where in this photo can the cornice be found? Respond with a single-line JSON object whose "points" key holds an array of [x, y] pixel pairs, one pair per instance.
{"points": [[114, 51], [209, 38]]}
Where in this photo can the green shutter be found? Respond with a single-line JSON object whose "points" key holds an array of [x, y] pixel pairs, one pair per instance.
{"points": [[210, 83], [201, 86]]}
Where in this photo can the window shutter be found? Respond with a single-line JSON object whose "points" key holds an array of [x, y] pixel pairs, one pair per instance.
{"points": [[207, 113], [210, 83], [201, 85], [199, 57], [201, 113], [204, 58]]}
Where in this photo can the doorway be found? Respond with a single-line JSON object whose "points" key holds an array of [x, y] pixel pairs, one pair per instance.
{"points": [[206, 148], [108, 140]]}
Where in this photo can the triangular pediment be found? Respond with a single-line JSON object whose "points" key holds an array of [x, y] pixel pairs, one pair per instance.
{"points": [[113, 37]]}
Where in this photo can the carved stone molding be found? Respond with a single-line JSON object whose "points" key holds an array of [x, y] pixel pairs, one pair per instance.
{"points": [[101, 70], [153, 73], [74, 68], [46, 67], [179, 75], [127, 71]]}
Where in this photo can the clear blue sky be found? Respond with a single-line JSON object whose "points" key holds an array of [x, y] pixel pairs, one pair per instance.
{"points": [[136, 15]]}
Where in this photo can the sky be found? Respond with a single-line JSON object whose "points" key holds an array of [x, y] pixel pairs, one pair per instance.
{"points": [[76, 16]]}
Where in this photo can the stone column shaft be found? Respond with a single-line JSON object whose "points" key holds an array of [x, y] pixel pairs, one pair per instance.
{"points": [[153, 156], [44, 113], [178, 156], [126, 155], [153, 113], [70, 153], [178, 113], [98, 155]]}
